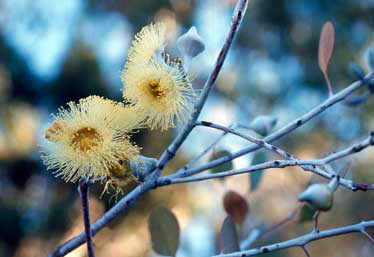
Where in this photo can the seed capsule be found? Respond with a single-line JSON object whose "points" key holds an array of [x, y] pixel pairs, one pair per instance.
{"points": [[318, 196]]}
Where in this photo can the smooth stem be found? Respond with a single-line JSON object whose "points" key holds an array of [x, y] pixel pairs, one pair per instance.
{"points": [[84, 194]]}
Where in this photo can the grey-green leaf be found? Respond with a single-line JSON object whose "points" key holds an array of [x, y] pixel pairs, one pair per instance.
{"points": [[306, 214], [223, 167], [229, 236], [164, 229], [255, 177]]}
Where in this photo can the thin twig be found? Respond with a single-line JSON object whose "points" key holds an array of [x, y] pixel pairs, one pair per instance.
{"points": [[118, 209], [306, 251], [315, 222], [308, 165], [250, 138], [206, 150], [84, 188], [363, 231], [302, 240], [256, 233], [282, 131], [280, 223]]}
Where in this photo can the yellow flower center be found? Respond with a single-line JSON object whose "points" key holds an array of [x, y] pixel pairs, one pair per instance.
{"points": [[155, 89], [86, 139]]}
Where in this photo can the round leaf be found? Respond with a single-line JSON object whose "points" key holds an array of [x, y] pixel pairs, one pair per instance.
{"points": [[164, 229], [236, 206], [223, 167]]}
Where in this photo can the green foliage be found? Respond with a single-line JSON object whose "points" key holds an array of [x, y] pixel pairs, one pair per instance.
{"points": [[164, 229], [306, 214], [223, 167], [255, 177]]}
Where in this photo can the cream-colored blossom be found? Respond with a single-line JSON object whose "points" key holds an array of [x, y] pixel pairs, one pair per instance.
{"points": [[156, 85], [150, 41], [161, 91], [89, 139]]}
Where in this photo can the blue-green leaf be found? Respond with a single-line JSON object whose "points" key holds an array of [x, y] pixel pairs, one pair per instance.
{"points": [[165, 231], [255, 177], [223, 167], [306, 213], [229, 236]]}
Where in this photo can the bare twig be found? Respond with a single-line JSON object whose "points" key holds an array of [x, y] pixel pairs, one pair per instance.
{"points": [[363, 231], [302, 241], [306, 251], [206, 150], [315, 221], [280, 223], [252, 139], [256, 233], [282, 131], [120, 208], [308, 165], [84, 187]]}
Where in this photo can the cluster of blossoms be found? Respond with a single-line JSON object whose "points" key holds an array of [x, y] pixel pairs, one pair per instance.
{"points": [[91, 138]]}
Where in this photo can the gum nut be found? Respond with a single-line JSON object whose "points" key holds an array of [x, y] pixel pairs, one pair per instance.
{"points": [[319, 196], [190, 43]]}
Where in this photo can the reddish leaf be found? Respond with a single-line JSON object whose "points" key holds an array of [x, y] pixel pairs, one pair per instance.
{"points": [[326, 47], [229, 236], [236, 206]]}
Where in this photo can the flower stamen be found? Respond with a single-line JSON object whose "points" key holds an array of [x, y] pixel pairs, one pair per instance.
{"points": [[86, 139], [155, 89], [53, 131]]}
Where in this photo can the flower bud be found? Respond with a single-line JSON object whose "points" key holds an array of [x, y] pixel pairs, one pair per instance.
{"points": [[356, 71], [143, 167], [318, 196], [190, 45], [355, 100], [263, 124]]}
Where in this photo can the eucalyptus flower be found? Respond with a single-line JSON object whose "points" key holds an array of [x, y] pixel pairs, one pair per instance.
{"points": [[90, 139], [154, 83]]}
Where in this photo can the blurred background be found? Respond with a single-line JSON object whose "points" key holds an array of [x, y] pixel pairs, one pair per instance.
{"points": [[54, 52]]}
